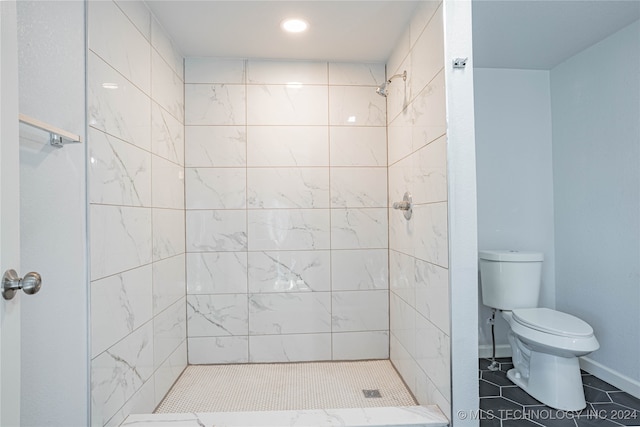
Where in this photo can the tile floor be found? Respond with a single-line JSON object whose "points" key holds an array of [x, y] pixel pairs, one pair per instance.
{"points": [[286, 386], [503, 404]]}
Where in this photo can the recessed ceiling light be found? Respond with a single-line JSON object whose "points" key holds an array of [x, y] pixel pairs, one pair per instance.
{"points": [[295, 25]]}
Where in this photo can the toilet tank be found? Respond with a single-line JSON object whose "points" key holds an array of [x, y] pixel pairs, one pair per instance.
{"points": [[510, 279]]}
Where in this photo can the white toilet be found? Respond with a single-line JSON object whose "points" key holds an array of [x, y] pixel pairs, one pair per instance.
{"points": [[545, 343]]}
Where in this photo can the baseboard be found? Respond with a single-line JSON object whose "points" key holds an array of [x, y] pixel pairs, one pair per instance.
{"points": [[611, 376], [502, 350]]}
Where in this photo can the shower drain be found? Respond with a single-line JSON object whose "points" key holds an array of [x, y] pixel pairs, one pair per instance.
{"points": [[369, 394]]}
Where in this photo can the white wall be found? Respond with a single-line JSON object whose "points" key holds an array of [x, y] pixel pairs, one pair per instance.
{"points": [[286, 211], [418, 248], [596, 165], [514, 174], [136, 196], [53, 215]]}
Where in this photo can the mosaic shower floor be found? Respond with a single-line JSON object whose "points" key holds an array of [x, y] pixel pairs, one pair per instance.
{"points": [[286, 386]]}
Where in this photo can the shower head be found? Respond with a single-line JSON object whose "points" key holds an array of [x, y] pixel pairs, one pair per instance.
{"points": [[382, 89]]}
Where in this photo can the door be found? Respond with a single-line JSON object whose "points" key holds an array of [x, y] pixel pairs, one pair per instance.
{"points": [[9, 215]]}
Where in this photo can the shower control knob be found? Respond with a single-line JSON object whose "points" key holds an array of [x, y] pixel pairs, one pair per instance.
{"points": [[11, 283]]}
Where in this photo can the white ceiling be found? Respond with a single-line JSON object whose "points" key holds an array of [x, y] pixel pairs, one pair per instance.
{"points": [[530, 34], [362, 31]]}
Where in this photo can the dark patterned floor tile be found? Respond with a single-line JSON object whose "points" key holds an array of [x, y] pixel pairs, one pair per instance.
{"points": [[518, 395], [550, 417], [487, 389], [617, 413], [499, 407], [483, 364], [595, 395], [487, 420], [596, 382], [625, 399], [496, 377], [519, 423], [593, 421], [506, 366]]}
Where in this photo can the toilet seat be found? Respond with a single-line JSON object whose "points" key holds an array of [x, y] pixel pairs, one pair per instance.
{"points": [[553, 322]]}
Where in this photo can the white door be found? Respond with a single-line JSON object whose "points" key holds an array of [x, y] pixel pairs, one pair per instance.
{"points": [[9, 216]]}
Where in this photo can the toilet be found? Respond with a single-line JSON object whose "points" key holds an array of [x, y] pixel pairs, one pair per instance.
{"points": [[545, 343]]}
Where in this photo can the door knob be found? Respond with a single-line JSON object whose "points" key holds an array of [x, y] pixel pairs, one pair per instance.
{"points": [[11, 283]]}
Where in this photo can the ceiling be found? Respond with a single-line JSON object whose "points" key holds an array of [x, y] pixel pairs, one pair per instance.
{"points": [[529, 34]]}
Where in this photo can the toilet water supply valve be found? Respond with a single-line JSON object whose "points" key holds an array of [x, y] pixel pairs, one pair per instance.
{"points": [[492, 321]]}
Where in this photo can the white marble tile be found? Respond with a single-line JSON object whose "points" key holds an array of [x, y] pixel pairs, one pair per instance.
{"points": [[356, 106], [168, 233], [424, 174], [119, 173], [427, 55], [418, 416], [287, 146], [421, 18], [216, 188], [360, 311], [214, 70], [428, 113], [289, 348], [167, 189], [286, 72], [168, 282], [275, 188], [120, 239], [214, 104], [138, 13], [166, 48], [356, 73], [215, 146], [213, 350], [401, 232], [119, 372], [289, 271], [358, 146], [167, 135], [217, 315], [432, 294], [355, 270], [286, 105], [403, 362], [117, 41], [360, 345], [167, 374], [289, 313], [142, 402], [288, 229], [403, 323], [433, 354], [431, 238], [359, 228], [169, 331], [402, 276], [167, 89], [217, 273], [117, 108], [400, 135], [221, 230], [358, 187], [119, 305], [427, 393]]}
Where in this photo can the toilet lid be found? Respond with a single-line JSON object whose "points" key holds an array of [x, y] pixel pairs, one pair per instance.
{"points": [[552, 322]]}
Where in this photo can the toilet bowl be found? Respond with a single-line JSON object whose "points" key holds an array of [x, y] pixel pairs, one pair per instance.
{"points": [[545, 343]]}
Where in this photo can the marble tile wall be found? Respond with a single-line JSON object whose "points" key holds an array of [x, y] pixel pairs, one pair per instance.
{"points": [[136, 214], [418, 248], [286, 198]]}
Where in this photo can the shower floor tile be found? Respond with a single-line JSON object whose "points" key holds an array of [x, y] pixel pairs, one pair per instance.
{"points": [[286, 386]]}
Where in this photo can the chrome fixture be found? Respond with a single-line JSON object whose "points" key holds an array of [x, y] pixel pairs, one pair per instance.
{"points": [[382, 89], [460, 62], [11, 283], [57, 137], [406, 205]]}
